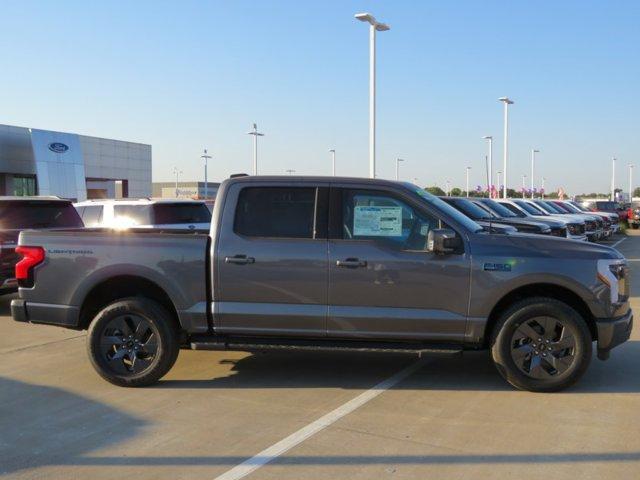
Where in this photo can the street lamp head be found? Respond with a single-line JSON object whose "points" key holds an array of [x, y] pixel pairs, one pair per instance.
{"points": [[382, 27], [487, 137], [535, 151], [506, 100], [333, 150], [367, 17]]}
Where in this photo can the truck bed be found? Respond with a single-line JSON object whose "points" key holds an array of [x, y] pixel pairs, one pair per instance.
{"points": [[78, 262]]}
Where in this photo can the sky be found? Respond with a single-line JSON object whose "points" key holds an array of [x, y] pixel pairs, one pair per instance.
{"points": [[188, 75]]}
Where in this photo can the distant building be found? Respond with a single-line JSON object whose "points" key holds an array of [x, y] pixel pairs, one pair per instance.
{"points": [[185, 190], [44, 162]]}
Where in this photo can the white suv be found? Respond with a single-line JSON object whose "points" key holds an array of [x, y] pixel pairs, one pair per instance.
{"points": [[145, 213]]}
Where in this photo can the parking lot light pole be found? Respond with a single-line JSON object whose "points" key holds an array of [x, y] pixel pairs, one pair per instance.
{"points": [[524, 186], [533, 160], [177, 173], [255, 134], [448, 188], [505, 153], [489, 139], [613, 179], [333, 161], [206, 158], [542, 188], [467, 171], [498, 181], [398, 160], [630, 182], [374, 27]]}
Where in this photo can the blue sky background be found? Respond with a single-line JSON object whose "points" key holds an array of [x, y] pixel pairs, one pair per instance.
{"points": [[184, 75]]}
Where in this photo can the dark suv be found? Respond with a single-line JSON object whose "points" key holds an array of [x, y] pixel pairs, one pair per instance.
{"points": [[26, 213]]}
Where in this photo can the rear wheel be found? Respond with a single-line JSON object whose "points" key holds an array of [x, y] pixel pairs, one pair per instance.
{"points": [[133, 342], [542, 345]]}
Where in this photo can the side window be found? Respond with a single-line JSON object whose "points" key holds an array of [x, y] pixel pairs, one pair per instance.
{"points": [[371, 215], [132, 214], [92, 215], [276, 212]]}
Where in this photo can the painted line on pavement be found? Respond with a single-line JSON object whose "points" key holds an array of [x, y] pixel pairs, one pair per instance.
{"points": [[274, 451], [619, 242]]}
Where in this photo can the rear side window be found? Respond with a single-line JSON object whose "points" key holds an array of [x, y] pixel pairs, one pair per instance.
{"points": [[176, 213], [132, 214], [91, 215], [278, 212], [38, 214]]}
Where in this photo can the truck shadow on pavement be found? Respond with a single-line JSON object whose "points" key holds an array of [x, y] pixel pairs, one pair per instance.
{"points": [[473, 371], [57, 428]]}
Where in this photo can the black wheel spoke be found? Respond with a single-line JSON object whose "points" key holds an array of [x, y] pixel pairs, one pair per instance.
{"points": [[521, 353], [528, 331]]}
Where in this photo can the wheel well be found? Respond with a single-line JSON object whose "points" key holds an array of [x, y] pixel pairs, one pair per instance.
{"points": [[541, 290], [122, 287]]}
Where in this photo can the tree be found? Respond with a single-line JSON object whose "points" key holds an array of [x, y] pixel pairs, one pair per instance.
{"points": [[456, 192], [435, 191], [636, 192]]}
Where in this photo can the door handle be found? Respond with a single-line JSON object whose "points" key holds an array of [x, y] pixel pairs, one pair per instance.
{"points": [[351, 263], [239, 260]]}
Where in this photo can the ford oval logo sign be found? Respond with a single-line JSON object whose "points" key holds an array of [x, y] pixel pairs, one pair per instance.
{"points": [[58, 147]]}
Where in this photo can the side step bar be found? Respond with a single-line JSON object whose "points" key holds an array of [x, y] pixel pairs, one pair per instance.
{"points": [[262, 345]]}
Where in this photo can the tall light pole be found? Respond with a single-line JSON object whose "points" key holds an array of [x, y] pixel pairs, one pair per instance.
{"points": [[613, 179], [467, 171], [255, 134], [398, 160], [505, 153], [448, 188], [333, 161], [524, 185], [206, 158], [533, 160], [498, 182], [489, 138], [177, 173], [374, 27], [631, 182], [542, 187]]}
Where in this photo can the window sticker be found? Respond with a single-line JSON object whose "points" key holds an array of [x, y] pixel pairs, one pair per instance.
{"points": [[377, 221]]}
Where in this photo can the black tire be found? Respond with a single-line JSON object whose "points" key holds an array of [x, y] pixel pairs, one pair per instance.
{"points": [[133, 342], [541, 345]]}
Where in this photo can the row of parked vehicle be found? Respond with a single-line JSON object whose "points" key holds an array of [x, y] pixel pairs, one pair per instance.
{"points": [[560, 218], [23, 213]]}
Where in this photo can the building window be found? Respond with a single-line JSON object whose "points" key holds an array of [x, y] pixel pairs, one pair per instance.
{"points": [[24, 186]]}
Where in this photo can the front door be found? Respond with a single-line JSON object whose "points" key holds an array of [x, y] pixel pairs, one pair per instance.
{"points": [[383, 283], [271, 263]]}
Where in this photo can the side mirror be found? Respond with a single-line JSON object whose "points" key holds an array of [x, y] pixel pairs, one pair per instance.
{"points": [[442, 241]]}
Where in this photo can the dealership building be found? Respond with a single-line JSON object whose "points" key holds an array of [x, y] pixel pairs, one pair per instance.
{"points": [[68, 165]]}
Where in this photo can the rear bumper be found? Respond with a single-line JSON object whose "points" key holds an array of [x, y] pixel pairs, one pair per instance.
{"points": [[50, 314], [612, 332]]}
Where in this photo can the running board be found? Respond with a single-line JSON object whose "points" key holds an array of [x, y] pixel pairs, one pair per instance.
{"points": [[261, 345]]}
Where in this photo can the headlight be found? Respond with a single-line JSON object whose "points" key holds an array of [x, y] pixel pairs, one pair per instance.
{"points": [[613, 274]]}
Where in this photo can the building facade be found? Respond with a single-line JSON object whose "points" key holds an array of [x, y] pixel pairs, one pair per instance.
{"points": [[193, 190], [44, 162]]}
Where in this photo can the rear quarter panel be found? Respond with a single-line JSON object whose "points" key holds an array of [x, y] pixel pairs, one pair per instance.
{"points": [[77, 261]]}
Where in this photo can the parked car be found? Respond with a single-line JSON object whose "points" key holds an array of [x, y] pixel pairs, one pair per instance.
{"points": [[614, 218], [593, 225], [608, 226], [145, 213], [557, 228], [21, 213], [633, 215], [574, 228], [606, 206], [329, 263], [479, 213]]}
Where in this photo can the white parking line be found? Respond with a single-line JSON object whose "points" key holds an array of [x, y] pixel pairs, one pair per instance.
{"points": [[274, 451], [619, 242]]}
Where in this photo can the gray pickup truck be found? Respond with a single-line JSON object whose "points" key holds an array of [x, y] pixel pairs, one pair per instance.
{"points": [[326, 264]]}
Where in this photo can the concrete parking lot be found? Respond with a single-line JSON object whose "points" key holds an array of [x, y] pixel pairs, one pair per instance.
{"points": [[442, 418]]}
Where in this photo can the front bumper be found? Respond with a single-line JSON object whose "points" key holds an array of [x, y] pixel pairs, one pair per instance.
{"points": [[612, 332], [61, 315]]}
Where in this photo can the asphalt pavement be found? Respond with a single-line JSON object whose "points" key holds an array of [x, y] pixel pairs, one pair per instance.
{"points": [[291, 416]]}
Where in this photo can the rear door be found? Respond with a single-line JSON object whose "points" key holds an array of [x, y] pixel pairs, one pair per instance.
{"points": [[383, 283], [271, 260]]}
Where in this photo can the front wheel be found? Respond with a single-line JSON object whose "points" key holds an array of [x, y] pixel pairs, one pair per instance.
{"points": [[541, 345], [133, 342]]}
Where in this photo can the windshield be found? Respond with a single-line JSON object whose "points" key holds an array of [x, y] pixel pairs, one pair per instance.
{"points": [[546, 207], [470, 209], [444, 207], [572, 208], [529, 208], [514, 209], [561, 207], [22, 214], [501, 210], [580, 207]]}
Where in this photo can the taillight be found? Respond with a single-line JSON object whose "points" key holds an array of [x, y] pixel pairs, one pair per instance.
{"points": [[31, 256]]}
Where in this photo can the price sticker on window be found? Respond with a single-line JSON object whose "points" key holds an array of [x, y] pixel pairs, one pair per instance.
{"points": [[377, 221]]}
